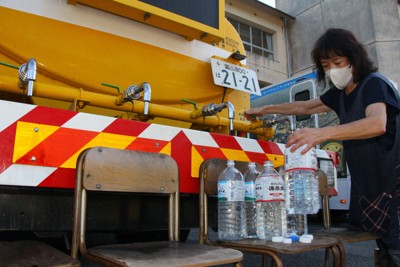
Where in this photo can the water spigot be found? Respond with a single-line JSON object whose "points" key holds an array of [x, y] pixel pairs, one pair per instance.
{"points": [[275, 119], [231, 114], [146, 97], [27, 75], [292, 122], [212, 109], [133, 92], [270, 121]]}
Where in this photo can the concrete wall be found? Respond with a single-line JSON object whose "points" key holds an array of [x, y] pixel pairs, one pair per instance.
{"points": [[375, 23], [260, 16]]}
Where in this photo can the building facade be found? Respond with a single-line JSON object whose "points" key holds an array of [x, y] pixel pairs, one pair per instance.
{"points": [[263, 30], [375, 23]]}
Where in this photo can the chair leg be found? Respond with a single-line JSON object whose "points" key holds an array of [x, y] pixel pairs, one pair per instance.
{"points": [[338, 254], [264, 260], [342, 253], [238, 264], [326, 257], [376, 257], [276, 260], [336, 257]]}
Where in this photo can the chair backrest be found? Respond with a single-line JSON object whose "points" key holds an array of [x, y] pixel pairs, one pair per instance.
{"points": [[108, 169], [119, 170], [209, 171], [323, 183]]}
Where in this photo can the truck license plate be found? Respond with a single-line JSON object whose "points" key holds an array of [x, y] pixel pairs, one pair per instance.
{"points": [[233, 76]]}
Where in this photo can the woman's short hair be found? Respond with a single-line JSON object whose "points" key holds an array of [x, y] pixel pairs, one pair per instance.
{"points": [[341, 42]]}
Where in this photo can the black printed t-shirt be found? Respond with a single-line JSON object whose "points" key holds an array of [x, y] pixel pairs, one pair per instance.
{"points": [[376, 90], [371, 161]]}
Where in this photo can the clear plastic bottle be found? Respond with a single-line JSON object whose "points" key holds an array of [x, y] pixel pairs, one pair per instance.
{"points": [[301, 190], [296, 226], [301, 182], [312, 191], [270, 205], [250, 199], [231, 210], [294, 192]]}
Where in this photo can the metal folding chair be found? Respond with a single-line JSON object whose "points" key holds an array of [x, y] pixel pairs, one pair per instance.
{"points": [[209, 172], [114, 170]]}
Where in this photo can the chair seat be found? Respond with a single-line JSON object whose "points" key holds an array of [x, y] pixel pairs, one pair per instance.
{"points": [[28, 253], [167, 253], [345, 235], [348, 235], [260, 246]]}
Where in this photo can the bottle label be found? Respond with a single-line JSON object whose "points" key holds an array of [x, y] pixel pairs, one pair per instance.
{"points": [[269, 190], [296, 161], [230, 191], [250, 192]]}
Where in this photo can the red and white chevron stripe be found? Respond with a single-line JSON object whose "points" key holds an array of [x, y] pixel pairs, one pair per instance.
{"points": [[40, 145]]}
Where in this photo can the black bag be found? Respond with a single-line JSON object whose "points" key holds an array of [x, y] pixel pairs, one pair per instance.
{"points": [[375, 216]]}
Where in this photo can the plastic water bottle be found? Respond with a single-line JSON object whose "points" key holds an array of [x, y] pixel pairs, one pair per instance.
{"points": [[231, 210], [294, 193], [270, 205], [311, 191], [301, 190], [301, 182], [296, 226], [250, 199]]}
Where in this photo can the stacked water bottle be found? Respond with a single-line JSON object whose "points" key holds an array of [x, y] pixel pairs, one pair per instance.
{"points": [[266, 206], [231, 209], [301, 192], [252, 206]]}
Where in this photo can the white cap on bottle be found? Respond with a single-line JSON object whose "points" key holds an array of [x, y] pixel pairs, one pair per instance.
{"points": [[308, 236], [305, 239], [277, 238], [287, 240]]}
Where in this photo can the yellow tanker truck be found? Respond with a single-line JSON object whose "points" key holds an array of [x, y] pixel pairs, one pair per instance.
{"points": [[157, 76]]}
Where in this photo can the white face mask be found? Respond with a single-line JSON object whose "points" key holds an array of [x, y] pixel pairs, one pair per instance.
{"points": [[340, 77]]}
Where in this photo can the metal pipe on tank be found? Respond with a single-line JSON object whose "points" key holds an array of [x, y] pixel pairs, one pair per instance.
{"points": [[69, 94]]}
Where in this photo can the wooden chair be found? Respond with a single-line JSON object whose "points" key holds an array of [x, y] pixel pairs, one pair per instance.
{"points": [[209, 172], [28, 253], [114, 170]]}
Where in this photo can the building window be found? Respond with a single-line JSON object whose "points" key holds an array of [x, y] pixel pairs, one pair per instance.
{"points": [[255, 40]]}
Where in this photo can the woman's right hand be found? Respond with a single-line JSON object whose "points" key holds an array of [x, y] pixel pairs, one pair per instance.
{"points": [[252, 113]]}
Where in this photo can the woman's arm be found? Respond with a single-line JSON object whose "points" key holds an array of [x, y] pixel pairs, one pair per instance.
{"points": [[291, 108], [374, 124]]}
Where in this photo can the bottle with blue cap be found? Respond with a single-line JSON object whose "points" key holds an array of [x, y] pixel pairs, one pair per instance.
{"points": [[250, 199], [231, 210], [270, 205], [301, 189]]}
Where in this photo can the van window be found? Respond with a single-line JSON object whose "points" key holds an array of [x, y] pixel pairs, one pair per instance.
{"points": [[302, 96]]}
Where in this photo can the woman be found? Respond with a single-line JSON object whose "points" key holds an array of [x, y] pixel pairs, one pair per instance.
{"points": [[368, 107]]}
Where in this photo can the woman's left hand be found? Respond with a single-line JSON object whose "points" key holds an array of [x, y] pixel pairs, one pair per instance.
{"points": [[310, 137]]}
